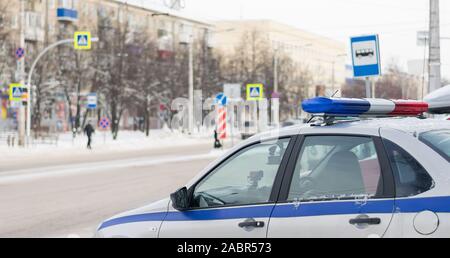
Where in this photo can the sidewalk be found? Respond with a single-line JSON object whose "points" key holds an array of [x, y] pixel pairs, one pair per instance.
{"points": [[130, 145], [104, 144]]}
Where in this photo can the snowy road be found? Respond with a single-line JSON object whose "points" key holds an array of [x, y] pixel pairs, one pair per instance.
{"points": [[71, 195]]}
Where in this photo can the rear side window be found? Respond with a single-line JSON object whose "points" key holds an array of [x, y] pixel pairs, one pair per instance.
{"points": [[410, 177], [335, 168], [438, 141]]}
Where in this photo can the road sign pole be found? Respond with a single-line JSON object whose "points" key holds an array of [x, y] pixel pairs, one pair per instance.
{"points": [[21, 73], [275, 111], [191, 85], [222, 123], [232, 128], [372, 86], [368, 88]]}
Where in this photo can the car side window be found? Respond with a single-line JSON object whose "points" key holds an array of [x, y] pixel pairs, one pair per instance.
{"points": [[410, 176], [245, 178], [336, 167]]}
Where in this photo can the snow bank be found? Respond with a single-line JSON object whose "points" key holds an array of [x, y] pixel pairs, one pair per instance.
{"points": [[103, 142]]}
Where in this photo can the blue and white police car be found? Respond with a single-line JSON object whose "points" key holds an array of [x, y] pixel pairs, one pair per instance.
{"points": [[349, 173]]}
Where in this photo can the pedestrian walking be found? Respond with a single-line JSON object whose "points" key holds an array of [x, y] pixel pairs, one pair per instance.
{"points": [[217, 144], [88, 131]]}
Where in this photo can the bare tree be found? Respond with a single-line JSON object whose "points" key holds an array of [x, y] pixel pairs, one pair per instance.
{"points": [[396, 84], [393, 84], [253, 62], [208, 73], [295, 82], [354, 89], [116, 64], [142, 71]]}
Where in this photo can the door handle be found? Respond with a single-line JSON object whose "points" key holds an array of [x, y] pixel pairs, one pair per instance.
{"points": [[368, 221], [252, 224]]}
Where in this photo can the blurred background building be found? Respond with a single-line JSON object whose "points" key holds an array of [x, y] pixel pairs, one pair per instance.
{"points": [[324, 58]]}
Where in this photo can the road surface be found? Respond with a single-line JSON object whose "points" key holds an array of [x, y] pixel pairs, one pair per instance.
{"points": [[70, 196]]}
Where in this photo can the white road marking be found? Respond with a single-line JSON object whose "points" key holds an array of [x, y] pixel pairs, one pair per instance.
{"points": [[86, 168]]}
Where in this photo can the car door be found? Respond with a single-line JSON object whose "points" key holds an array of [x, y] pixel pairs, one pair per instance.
{"points": [[236, 199], [339, 186]]}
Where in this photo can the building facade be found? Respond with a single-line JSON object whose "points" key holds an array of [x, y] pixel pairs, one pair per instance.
{"points": [[47, 21], [323, 57]]}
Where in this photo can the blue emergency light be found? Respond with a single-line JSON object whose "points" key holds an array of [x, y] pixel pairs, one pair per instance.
{"points": [[359, 107]]}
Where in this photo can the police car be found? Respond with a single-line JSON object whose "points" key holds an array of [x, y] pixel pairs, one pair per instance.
{"points": [[341, 175]]}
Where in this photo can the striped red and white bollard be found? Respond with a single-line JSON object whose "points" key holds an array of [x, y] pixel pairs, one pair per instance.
{"points": [[222, 123]]}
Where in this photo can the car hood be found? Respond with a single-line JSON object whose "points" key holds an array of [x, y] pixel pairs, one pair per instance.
{"points": [[153, 208]]}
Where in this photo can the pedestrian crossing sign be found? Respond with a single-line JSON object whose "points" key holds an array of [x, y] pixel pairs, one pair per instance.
{"points": [[82, 40], [255, 92], [16, 92]]}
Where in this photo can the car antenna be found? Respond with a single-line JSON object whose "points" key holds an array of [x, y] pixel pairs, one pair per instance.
{"points": [[334, 94], [310, 120]]}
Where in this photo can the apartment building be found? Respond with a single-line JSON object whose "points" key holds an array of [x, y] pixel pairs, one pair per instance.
{"points": [[47, 21], [323, 57]]}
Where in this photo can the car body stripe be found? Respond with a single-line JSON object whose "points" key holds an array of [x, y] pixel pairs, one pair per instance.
{"points": [[219, 214], [195, 215], [435, 204], [159, 216], [333, 208]]}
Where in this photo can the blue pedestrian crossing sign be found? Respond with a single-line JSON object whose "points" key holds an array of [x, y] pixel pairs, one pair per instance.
{"points": [[16, 92], [82, 40], [366, 56], [255, 92]]}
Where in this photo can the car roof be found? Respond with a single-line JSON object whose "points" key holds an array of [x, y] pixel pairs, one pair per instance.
{"points": [[364, 126]]}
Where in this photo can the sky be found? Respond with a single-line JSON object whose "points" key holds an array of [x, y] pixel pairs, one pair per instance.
{"points": [[396, 22]]}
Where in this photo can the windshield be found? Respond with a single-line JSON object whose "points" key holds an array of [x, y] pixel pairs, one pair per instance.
{"points": [[439, 141]]}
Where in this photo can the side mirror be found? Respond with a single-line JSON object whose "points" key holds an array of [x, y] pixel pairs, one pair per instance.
{"points": [[180, 199]]}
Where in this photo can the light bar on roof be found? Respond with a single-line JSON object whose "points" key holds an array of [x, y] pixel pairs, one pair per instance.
{"points": [[439, 101], [361, 107]]}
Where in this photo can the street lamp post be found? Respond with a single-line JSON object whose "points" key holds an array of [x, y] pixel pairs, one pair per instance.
{"points": [[191, 84], [190, 44], [30, 75], [276, 102], [276, 61], [275, 71], [21, 73], [333, 72]]}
